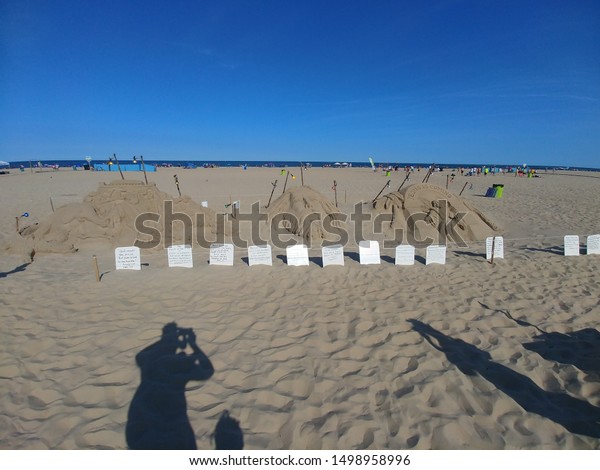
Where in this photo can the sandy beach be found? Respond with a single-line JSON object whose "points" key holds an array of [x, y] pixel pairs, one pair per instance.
{"points": [[466, 355]]}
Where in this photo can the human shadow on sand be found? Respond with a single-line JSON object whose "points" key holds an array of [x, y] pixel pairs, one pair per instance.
{"points": [[579, 348], [575, 415], [157, 417]]}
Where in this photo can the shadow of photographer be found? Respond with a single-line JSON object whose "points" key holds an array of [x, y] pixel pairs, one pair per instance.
{"points": [[157, 417]]}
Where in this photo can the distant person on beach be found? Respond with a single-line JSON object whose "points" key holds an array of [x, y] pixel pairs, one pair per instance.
{"points": [[157, 416]]}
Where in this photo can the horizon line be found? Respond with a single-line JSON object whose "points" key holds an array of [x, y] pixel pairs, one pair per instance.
{"points": [[366, 163]]}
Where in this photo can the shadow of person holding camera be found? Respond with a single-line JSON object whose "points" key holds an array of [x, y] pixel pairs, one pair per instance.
{"points": [[157, 417]]}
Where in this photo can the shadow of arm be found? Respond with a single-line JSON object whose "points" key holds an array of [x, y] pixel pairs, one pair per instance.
{"points": [[202, 368]]}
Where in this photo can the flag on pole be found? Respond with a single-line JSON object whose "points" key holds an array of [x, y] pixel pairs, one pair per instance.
{"points": [[372, 163]]}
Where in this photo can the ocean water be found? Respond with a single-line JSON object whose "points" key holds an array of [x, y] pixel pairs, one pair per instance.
{"points": [[278, 164]]}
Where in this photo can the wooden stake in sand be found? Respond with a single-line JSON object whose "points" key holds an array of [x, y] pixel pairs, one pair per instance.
{"points": [[17, 222], [429, 172], [287, 175], [447, 179], [118, 166], [51, 204], [335, 191], [271, 196], [302, 173], [177, 184], [387, 185], [430, 175], [493, 248], [95, 264], [144, 168], [235, 206], [405, 180], [461, 191], [426, 175]]}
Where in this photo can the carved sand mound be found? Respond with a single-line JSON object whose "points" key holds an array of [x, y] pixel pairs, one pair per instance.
{"points": [[427, 213], [308, 214], [108, 217]]}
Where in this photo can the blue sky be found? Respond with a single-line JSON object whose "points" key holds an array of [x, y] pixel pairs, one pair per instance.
{"points": [[447, 81]]}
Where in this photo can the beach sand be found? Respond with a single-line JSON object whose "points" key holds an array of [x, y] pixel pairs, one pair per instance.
{"points": [[466, 355]]}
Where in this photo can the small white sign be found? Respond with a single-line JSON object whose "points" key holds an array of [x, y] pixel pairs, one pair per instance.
{"points": [[260, 255], [128, 257], [436, 254], [571, 245], [333, 255], [405, 255], [368, 251], [498, 244], [180, 256], [221, 254], [593, 245], [297, 255], [204, 203]]}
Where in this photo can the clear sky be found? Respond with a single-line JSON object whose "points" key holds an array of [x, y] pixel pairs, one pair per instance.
{"points": [[447, 81]]}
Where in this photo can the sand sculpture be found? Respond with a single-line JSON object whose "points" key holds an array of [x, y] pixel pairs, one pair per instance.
{"points": [[427, 211], [296, 209], [108, 216]]}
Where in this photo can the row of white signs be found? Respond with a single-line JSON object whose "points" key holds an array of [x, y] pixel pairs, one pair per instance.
{"points": [[297, 255], [571, 245]]}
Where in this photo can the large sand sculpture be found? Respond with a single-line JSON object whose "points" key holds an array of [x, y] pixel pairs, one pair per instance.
{"points": [[297, 207], [107, 217], [426, 211]]}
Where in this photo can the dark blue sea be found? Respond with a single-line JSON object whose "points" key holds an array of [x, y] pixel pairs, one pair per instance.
{"points": [[279, 164]]}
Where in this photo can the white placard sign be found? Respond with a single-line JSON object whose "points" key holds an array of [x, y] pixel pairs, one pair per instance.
{"points": [[204, 203], [260, 255], [333, 255], [571, 245], [368, 251], [593, 245], [498, 247], [297, 255], [180, 256], [128, 257], [436, 254], [221, 254], [405, 255]]}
